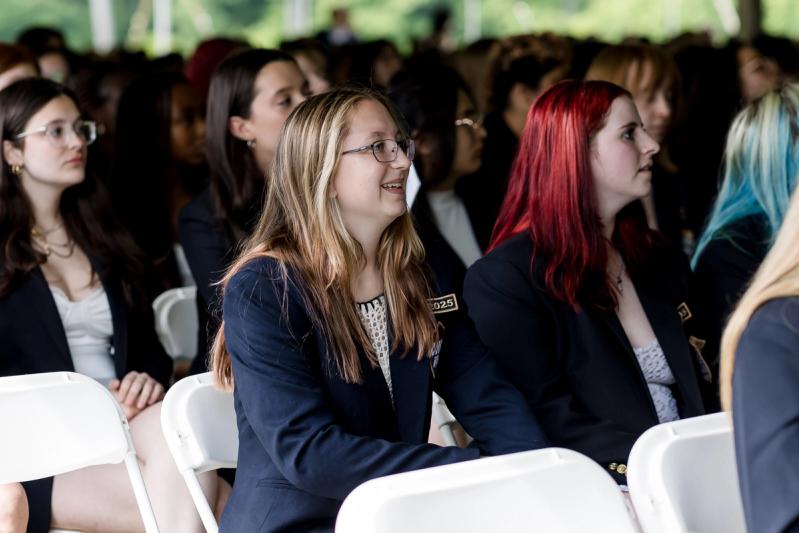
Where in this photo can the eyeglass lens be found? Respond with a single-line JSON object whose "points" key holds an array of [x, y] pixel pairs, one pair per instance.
{"points": [[84, 129], [386, 150]]}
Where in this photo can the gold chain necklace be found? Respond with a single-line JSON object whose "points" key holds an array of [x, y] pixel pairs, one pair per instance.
{"points": [[38, 232], [49, 248]]}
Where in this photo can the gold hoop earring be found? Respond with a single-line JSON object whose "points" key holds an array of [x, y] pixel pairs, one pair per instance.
{"points": [[16, 170]]}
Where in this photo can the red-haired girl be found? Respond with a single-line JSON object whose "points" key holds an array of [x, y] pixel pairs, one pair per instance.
{"points": [[580, 302]]}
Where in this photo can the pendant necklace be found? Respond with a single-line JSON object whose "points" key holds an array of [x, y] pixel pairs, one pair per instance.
{"points": [[37, 232], [620, 280]]}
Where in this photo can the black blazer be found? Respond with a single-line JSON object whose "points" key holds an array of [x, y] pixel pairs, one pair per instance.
{"points": [[723, 271], [432, 238], [765, 410], [577, 369], [32, 340], [307, 438], [209, 252]]}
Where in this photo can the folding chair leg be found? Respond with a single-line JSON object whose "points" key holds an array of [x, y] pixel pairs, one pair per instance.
{"points": [[140, 491], [200, 501]]}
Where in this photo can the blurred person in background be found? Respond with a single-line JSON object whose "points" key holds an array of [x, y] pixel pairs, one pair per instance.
{"points": [[761, 165], [651, 76], [251, 95], [159, 165], [313, 60], [16, 63]]}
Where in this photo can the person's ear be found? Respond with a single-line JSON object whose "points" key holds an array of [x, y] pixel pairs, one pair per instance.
{"points": [[424, 144], [241, 128], [12, 154], [522, 96]]}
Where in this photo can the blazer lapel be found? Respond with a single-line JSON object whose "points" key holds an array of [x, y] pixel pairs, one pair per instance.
{"points": [[613, 323], [665, 321], [412, 396], [410, 380], [51, 319]]}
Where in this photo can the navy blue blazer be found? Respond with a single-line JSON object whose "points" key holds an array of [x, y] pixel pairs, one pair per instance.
{"points": [[765, 410], [307, 438], [209, 252], [32, 340], [577, 369]]}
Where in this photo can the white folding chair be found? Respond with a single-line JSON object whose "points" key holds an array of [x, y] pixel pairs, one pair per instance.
{"points": [[682, 477], [553, 490], [199, 424], [62, 421], [176, 321]]}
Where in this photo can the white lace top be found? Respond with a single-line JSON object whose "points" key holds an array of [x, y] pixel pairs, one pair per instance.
{"points": [[658, 377], [89, 329], [373, 317]]}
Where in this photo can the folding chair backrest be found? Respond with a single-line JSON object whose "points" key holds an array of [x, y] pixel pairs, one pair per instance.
{"points": [[55, 423], [539, 490], [683, 477], [62, 421], [176, 321], [199, 424]]}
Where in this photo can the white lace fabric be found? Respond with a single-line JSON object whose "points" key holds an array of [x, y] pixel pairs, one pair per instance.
{"points": [[373, 317], [658, 377]]}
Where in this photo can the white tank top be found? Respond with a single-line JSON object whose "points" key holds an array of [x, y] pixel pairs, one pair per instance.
{"points": [[89, 329]]}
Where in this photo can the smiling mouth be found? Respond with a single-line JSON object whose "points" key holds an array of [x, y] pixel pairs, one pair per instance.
{"points": [[395, 186], [646, 168]]}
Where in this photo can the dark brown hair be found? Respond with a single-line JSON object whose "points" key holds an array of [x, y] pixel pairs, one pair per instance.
{"points": [[237, 183]]}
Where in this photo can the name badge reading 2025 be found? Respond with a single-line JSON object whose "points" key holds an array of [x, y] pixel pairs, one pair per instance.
{"points": [[443, 304]]}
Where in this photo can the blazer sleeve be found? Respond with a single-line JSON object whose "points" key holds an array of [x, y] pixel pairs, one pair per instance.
{"points": [[520, 330], [766, 417], [284, 399], [488, 406]]}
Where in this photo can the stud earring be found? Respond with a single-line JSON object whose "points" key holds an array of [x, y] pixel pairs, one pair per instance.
{"points": [[250, 143]]}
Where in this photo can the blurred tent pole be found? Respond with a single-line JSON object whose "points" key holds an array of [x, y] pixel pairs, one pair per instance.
{"points": [[297, 18], [472, 25], [730, 19], [751, 17], [672, 17], [162, 27], [102, 23]]}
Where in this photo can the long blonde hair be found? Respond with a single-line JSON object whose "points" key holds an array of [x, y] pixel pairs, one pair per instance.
{"points": [[302, 226], [778, 276]]}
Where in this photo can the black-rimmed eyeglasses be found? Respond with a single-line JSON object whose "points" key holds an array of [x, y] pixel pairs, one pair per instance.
{"points": [[386, 150], [58, 131]]}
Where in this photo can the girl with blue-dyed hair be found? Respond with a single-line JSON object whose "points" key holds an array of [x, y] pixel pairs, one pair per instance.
{"points": [[761, 164]]}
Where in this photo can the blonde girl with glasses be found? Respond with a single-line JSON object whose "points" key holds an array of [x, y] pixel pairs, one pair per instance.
{"points": [[335, 334], [70, 300]]}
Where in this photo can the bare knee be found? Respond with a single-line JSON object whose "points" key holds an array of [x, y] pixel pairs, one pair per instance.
{"points": [[13, 508]]}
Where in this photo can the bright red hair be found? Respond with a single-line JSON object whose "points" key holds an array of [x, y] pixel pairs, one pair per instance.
{"points": [[551, 195]]}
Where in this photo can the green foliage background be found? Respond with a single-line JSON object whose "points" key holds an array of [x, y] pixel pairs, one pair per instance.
{"points": [[261, 21]]}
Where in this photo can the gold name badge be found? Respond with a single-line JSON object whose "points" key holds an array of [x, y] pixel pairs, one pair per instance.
{"points": [[684, 312], [443, 304]]}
